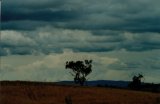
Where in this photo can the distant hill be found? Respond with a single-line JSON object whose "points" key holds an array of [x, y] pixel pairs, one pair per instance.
{"points": [[98, 83], [111, 83], [116, 84]]}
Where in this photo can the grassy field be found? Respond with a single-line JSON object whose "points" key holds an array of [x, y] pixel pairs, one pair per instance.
{"points": [[40, 93]]}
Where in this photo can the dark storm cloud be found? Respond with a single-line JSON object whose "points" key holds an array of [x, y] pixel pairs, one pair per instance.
{"points": [[22, 25], [50, 40], [127, 15], [82, 26], [43, 10], [40, 15]]}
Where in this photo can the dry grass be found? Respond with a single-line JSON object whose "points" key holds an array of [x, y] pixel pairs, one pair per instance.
{"points": [[54, 94]]}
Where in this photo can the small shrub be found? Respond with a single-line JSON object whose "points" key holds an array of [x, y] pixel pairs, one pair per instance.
{"points": [[68, 100], [158, 100]]}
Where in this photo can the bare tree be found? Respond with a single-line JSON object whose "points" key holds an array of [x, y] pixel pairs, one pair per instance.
{"points": [[80, 70]]}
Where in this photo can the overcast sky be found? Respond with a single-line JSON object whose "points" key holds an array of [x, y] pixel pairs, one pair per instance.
{"points": [[122, 37]]}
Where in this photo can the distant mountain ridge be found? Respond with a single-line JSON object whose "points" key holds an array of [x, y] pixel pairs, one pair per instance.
{"points": [[111, 83], [151, 87], [122, 84]]}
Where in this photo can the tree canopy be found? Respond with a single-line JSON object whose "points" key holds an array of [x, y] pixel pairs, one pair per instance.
{"points": [[80, 70]]}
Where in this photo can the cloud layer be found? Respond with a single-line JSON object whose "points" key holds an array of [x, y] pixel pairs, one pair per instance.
{"points": [[122, 36], [135, 16], [116, 66], [50, 39], [90, 26], [49, 67]]}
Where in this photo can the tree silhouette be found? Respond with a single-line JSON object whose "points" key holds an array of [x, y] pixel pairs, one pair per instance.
{"points": [[136, 82], [80, 70]]}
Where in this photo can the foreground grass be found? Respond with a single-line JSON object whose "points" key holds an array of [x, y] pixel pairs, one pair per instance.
{"points": [[56, 94]]}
